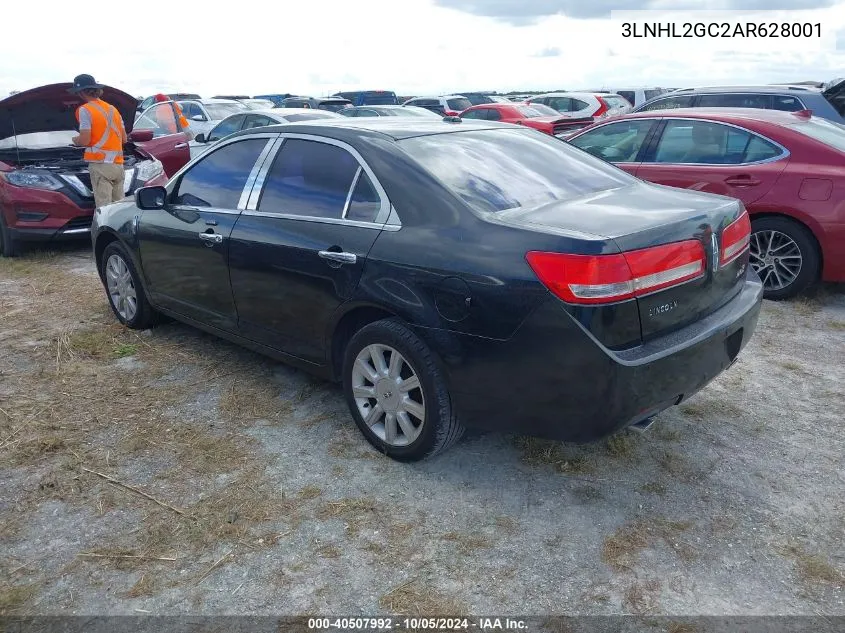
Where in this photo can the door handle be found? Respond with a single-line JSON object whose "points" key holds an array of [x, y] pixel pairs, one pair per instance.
{"points": [[340, 257], [180, 145], [742, 181], [211, 238]]}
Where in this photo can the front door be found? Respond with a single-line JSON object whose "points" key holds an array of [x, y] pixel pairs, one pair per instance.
{"points": [[299, 249], [169, 143], [621, 142], [185, 247], [713, 157]]}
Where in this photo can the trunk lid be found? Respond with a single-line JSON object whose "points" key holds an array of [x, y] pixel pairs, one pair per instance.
{"points": [[642, 216], [52, 108]]}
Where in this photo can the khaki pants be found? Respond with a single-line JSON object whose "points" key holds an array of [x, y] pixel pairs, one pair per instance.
{"points": [[106, 182]]}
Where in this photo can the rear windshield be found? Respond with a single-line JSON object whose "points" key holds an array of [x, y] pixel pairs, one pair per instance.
{"points": [[614, 101], [307, 116], [497, 170], [544, 110], [219, 111], [379, 98], [651, 94], [830, 133], [532, 111], [334, 106], [458, 104]]}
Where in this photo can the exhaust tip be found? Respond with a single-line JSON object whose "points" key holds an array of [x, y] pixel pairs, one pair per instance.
{"points": [[643, 425]]}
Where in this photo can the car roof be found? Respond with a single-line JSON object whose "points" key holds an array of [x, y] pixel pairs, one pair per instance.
{"points": [[212, 101], [762, 89], [728, 115], [396, 128], [580, 93]]}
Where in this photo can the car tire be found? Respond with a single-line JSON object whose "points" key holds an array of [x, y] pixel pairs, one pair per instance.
{"points": [[789, 237], [116, 262], [9, 247], [368, 387]]}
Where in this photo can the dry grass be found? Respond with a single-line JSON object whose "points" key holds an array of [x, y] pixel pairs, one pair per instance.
{"points": [[791, 365], [356, 513], [620, 445], [642, 596], [564, 459], [14, 597], [467, 542], [836, 325], [143, 587], [417, 598], [812, 568], [654, 488], [328, 551], [621, 550]]}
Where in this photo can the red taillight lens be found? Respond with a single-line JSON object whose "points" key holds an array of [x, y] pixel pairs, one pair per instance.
{"points": [[590, 279], [602, 108], [736, 238]]}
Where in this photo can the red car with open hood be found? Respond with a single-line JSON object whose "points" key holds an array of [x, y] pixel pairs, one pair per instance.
{"points": [[45, 188]]}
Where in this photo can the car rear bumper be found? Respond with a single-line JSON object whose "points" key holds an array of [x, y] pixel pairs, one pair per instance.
{"points": [[559, 382]]}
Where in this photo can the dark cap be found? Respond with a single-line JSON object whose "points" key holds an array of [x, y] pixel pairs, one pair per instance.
{"points": [[84, 82]]}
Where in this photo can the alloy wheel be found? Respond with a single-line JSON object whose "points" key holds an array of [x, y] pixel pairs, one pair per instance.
{"points": [[776, 258], [121, 287], [388, 395]]}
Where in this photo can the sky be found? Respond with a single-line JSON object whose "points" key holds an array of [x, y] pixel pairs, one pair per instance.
{"points": [[413, 47]]}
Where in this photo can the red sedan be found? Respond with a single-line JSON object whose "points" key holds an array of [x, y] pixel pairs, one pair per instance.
{"points": [[534, 115], [45, 188], [788, 168]]}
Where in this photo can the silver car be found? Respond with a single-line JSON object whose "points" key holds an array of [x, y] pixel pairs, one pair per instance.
{"points": [[246, 120], [204, 114]]}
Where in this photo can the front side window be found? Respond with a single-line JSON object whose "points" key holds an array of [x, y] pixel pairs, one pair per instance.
{"points": [[160, 119], [496, 170], [707, 143], [367, 112], [668, 103], [616, 142], [226, 127], [218, 178], [308, 178]]}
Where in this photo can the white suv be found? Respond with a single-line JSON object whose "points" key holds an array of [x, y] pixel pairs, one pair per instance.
{"points": [[450, 105], [584, 104]]}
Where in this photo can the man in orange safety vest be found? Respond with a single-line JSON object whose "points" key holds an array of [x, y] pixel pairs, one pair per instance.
{"points": [[165, 118], [102, 134]]}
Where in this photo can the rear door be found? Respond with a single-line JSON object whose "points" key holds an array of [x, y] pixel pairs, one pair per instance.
{"points": [[622, 143], [713, 157], [298, 250], [169, 143], [185, 246]]}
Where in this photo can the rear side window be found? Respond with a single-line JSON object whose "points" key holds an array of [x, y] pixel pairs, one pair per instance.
{"points": [[481, 113], [365, 203], [787, 104], [559, 104], [669, 103], [218, 178], [458, 104], [735, 101], [614, 101], [496, 170], [308, 178], [577, 104], [707, 143], [306, 116]]}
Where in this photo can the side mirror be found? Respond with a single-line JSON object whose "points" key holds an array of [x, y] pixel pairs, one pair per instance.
{"points": [[198, 117], [150, 198], [141, 136], [200, 138]]}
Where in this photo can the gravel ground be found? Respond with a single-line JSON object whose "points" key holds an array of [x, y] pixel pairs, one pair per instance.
{"points": [[169, 472]]}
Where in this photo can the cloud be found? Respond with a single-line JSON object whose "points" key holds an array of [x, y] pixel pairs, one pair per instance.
{"points": [[549, 51], [528, 12], [840, 40]]}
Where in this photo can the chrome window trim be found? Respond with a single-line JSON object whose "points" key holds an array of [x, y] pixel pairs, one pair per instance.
{"points": [[242, 201], [385, 208], [784, 152], [261, 175], [349, 194]]}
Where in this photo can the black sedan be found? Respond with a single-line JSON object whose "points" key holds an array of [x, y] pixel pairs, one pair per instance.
{"points": [[448, 273]]}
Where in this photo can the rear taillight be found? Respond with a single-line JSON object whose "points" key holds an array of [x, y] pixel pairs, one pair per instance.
{"points": [[603, 108], [590, 279], [736, 238]]}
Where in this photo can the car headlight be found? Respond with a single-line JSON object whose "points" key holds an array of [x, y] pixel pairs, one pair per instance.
{"points": [[148, 169], [33, 180]]}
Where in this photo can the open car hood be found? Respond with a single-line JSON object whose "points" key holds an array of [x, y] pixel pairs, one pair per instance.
{"points": [[52, 108], [835, 88]]}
